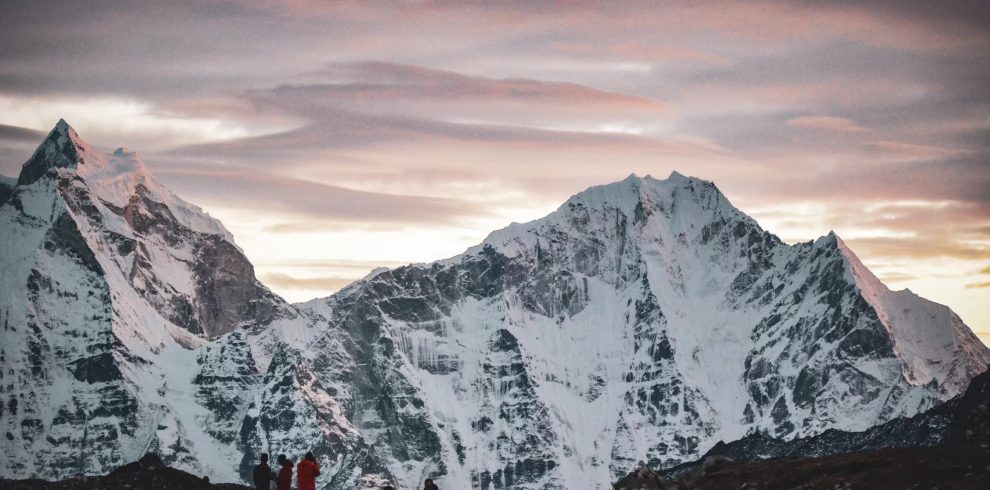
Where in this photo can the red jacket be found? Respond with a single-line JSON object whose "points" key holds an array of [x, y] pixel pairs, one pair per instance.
{"points": [[284, 480], [306, 473]]}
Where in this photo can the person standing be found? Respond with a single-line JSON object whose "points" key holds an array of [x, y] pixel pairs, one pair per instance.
{"points": [[284, 479], [429, 485], [306, 472], [263, 476]]}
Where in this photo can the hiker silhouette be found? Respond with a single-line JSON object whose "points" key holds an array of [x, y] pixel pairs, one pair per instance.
{"points": [[263, 476]]}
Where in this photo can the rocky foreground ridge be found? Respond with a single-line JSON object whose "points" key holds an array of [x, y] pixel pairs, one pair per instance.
{"points": [[148, 473]]}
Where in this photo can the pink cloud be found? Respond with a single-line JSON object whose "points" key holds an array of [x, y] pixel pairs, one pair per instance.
{"points": [[909, 151], [827, 123], [637, 51]]}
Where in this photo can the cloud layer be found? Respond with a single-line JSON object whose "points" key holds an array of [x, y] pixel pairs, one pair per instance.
{"points": [[404, 131]]}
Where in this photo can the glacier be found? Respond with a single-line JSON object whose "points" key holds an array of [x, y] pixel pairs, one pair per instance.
{"points": [[643, 321]]}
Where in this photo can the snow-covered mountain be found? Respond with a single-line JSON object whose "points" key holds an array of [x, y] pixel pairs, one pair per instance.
{"points": [[644, 320], [108, 281]]}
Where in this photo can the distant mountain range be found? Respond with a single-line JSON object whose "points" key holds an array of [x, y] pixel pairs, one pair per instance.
{"points": [[643, 321]]}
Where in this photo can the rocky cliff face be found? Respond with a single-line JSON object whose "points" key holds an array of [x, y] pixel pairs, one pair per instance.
{"points": [[7, 185], [107, 276], [644, 320]]}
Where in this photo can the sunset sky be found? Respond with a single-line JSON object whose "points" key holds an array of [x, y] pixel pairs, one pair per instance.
{"points": [[332, 139]]}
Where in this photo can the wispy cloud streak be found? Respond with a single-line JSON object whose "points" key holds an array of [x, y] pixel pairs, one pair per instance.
{"points": [[338, 123]]}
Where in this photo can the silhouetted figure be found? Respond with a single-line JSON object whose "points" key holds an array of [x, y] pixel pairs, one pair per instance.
{"points": [[388, 487], [429, 485], [263, 476], [306, 472], [284, 480]]}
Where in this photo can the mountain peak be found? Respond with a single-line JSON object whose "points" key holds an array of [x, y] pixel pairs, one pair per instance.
{"points": [[62, 127], [632, 178], [64, 131], [62, 148], [648, 192], [682, 203], [635, 192]]}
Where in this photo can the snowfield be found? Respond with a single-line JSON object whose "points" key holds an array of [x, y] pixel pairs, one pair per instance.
{"points": [[643, 321]]}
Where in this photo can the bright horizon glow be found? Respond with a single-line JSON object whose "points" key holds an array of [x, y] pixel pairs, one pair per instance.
{"points": [[102, 117], [348, 256]]}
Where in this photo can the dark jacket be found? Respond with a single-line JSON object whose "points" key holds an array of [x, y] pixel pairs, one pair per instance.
{"points": [[263, 476], [284, 480]]}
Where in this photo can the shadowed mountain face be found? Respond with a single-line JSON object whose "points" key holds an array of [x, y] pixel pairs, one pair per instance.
{"points": [[644, 320], [6, 187], [173, 255]]}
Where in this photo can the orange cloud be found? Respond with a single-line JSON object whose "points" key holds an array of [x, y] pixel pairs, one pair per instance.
{"points": [[910, 247]]}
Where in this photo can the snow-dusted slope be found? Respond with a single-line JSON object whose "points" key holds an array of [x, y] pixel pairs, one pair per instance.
{"points": [[930, 338], [644, 320], [107, 279]]}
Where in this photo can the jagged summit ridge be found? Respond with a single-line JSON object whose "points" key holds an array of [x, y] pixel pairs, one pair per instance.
{"points": [[115, 178], [691, 209], [687, 205], [929, 337], [62, 148], [135, 231], [110, 284]]}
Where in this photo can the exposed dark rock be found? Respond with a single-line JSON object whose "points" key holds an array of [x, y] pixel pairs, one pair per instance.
{"points": [[644, 478], [58, 150], [881, 469], [6, 188], [149, 473]]}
